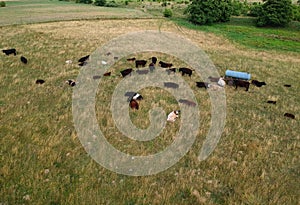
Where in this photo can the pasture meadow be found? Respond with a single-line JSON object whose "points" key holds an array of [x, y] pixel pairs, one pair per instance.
{"points": [[43, 162]]}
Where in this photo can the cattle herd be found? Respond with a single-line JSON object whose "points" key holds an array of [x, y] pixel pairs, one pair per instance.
{"points": [[213, 82]]}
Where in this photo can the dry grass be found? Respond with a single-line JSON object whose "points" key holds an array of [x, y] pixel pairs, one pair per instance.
{"points": [[43, 162]]}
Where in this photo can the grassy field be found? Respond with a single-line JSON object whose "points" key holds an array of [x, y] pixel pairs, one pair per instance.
{"points": [[43, 162]]}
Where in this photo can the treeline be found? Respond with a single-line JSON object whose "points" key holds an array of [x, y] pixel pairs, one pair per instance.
{"points": [[96, 2]]}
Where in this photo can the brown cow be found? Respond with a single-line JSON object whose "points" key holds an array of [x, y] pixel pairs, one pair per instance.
{"points": [[165, 65], [134, 104], [241, 83]]}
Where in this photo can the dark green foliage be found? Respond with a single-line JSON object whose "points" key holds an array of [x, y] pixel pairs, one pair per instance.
{"points": [[296, 13], [111, 4], [168, 13], [255, 9], [2, 4], [84, 1], [209, 11], [100, 2], [239, 8], [275, 13]]}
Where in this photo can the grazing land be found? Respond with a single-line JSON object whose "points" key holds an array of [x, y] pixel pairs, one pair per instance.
{"points": [[43, 162]]}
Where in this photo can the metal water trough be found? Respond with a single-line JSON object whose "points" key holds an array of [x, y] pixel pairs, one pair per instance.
{"points": [[237, 75]]}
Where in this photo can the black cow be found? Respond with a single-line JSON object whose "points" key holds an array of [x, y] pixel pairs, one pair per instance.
{"points": [[271, 102], [23, 60], [107, 74], [165, 65], [202, 85], [126, 72], [171, 85], [40, 81], [130, 59], [186, 71], [83, 59], [287, 85], [154, 60], [139, 63], [258, 83], [241, 83], [289, 115], [10, 51]]}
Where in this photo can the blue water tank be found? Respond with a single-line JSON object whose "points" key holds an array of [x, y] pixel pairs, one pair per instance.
{"points": [[237, 74]]}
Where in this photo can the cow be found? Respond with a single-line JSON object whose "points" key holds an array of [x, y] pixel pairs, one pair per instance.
{"points": [[173, 115], [185, 71], [258, 83], [107, 74], [40, 81], [139, 63], [134, 104], [202, 85], [271, 102], [71, 83], [289, 115], [10, 51], [83, 59], [142, 72], [241, 83], [126, 72], [153, 60], [171, 85], [131, 59], [23, 60], [229, 81], [287, 85], [170, 70], [82, 63], [187, 102], [165, 65], [137, 96]]}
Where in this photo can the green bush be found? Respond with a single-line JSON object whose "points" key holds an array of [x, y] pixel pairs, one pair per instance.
{"points": [[209, 11], [111, 4], [2, 4], [275, 13], [239, 8], [100, 2], [296, 13], [255, 9], [168, 13]]}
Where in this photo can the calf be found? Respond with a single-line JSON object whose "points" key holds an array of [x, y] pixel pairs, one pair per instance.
{"points": [[289, 115], [202, 85], [139, 63], [185, 71], [134, 104], [39, 81], [258, 83], [126, 72], [165, 65], [71, 83], [171, 85], [10, 51], [173, 115], [23, 60], [241, 83], [187, 102], [107, 74]]}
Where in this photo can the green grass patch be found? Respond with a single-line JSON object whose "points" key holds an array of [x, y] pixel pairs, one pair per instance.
{"points": [[243, 31]]}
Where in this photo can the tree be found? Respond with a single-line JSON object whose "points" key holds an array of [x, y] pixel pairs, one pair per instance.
{"points": [[100, 2], [209, 11], [275, 13]]}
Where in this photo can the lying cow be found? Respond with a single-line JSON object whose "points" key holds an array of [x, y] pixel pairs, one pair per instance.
{"points": [[40, 81], [289, 115], [165, 65], [202, 85], [140, 63], [258, 83], [173, 115], [185, 71], [126, 72], [71, 83], [10, 51], [241, 83], [23, 60]]}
